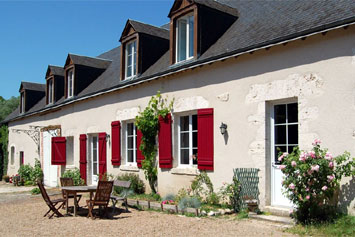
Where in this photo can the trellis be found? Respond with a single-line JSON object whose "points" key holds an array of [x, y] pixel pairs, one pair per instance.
{"points": [[249, 182]]}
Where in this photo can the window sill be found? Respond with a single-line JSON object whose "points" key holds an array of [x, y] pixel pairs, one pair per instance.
{"points": [[130, 168], [185, 171]]}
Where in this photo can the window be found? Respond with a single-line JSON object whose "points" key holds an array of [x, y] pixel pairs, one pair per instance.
{"points": [[70, 151], [188, 140], [95, 155], [185, 38], [12, 155], [131, 59], [22, 102], [131, 143], [285, 128], [22, 157], [70, 83], [50, 91]]}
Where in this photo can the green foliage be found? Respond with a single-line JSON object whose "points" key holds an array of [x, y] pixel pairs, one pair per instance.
{"points": [[146, 197], [75, 175], [7, 106], [35, 191], [137, 185], [242, 214], [31, 174], [6, 178], [37, 172], [29, 183], [169, 197], [343, 226], [202, 188], [4, 135], [148, 123], [311, 181], [182, 193], [230, 194], [186, 202]]}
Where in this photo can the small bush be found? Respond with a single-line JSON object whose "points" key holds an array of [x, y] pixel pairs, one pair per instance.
{"points": [[75, 175], [29, 183], [169, 197], [35, 191], [137, 185], [26, 172], [37, 173], [6, 178], [192, 202]]}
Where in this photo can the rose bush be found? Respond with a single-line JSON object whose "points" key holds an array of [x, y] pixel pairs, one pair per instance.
{"points": [[312, 179]]}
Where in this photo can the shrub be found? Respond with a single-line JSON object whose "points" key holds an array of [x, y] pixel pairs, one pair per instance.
{"points": [[26, 172], [169, 197], [192, 202], [75, 175], [37, 173], [230, 194], [137, 185], [35, 191], [311, 180], [6, 178], [29, 183]]}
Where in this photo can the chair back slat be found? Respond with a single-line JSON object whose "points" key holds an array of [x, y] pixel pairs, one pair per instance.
{"points": [[103, 191], [66, 182], [44, 192]]}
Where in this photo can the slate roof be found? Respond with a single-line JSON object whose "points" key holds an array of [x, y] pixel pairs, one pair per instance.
{"points": [[90, 61], [33, 86], [259, 24], [149, 29], [56, 70]]}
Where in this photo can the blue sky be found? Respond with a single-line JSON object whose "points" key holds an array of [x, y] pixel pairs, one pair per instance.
{"points": [[34, 34]]}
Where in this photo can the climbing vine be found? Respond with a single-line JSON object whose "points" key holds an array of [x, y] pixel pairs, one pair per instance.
{"points": [[4, 133], [148, 123]]}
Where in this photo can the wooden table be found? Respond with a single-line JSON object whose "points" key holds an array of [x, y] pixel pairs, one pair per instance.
{"points": [[74, 190]]}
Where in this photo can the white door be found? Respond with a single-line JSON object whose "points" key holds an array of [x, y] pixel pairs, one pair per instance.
{"points": [[94, 153], [284, 137], [50, 171]]}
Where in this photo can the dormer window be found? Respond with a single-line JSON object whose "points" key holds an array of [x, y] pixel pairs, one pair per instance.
{"points": [[50, 91], [22, 102], [70, 83], [184, 38], [131, 59]]}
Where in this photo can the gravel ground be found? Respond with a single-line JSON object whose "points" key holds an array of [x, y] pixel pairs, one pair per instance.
{"points": [[23, 216]]}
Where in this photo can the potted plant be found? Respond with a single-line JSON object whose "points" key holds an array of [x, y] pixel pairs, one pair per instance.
{"points": [[6, 178]]}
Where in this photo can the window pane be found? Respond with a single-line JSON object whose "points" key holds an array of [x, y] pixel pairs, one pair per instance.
{"points": [[184, 156], [130, 155], [191, 36], [184, 140], [292, 113], [184, 123], [280, 114], [293, 134], [194, 157], [94, 168], [280, 134], [194, 139], [130, 142], [181, 40], [130, 129], [194, 122], [279, 149], [134, 58]]}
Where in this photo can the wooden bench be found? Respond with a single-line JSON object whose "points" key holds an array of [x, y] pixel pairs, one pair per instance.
{"points": [[115, 199]]}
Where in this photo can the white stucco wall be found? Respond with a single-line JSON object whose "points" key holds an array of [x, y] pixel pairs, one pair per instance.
{"points": [[318, 72]]}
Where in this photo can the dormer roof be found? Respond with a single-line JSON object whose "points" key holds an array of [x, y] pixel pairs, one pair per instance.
{"points": [[54, 70], [87, 61], [132, 27], [32, 86]]}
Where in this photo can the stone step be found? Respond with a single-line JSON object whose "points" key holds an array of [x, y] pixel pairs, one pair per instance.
{"points": [[278, 211], [276, 219]]}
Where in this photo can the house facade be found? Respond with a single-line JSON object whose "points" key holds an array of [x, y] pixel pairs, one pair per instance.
{"points": [[277, 78]]}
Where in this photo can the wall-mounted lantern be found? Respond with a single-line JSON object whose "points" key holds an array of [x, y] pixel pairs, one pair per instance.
{"points": [[223, 128]]}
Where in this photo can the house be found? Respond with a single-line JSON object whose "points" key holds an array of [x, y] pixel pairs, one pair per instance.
{"points": [[278, 73]]}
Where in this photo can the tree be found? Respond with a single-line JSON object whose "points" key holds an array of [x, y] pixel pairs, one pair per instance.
{"points": [[7, 106], [148, 123]]}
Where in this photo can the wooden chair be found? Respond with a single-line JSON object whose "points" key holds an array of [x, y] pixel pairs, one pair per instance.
{"points": [[52, 204], [68, 182], [102, 197], [115, 199]]}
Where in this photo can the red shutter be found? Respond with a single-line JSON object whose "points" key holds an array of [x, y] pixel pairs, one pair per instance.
{"points": [[102, 154], [83, 156], [58, 150], [205, 139], [116, 143], [140, 156], [165, 145]]}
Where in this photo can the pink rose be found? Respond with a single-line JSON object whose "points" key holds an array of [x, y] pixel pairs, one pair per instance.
{"points": [[312, 154], [310, 172], [303, 157], [307, 189], [328, 156], [282, 167], [331, 164], [291, 211], [316, 142], [293, 163], [308, 197], [292, 186], [330, 178], [315, 168], [324, 188]]}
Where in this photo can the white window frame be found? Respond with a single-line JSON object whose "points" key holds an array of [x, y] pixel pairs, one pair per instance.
{"points": [[186, 17], [134, 59], [50, 91], [12, 155], [191, 148], [134, 163], [22, 102], [273, 129], [92, 154], [70, 83]]}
